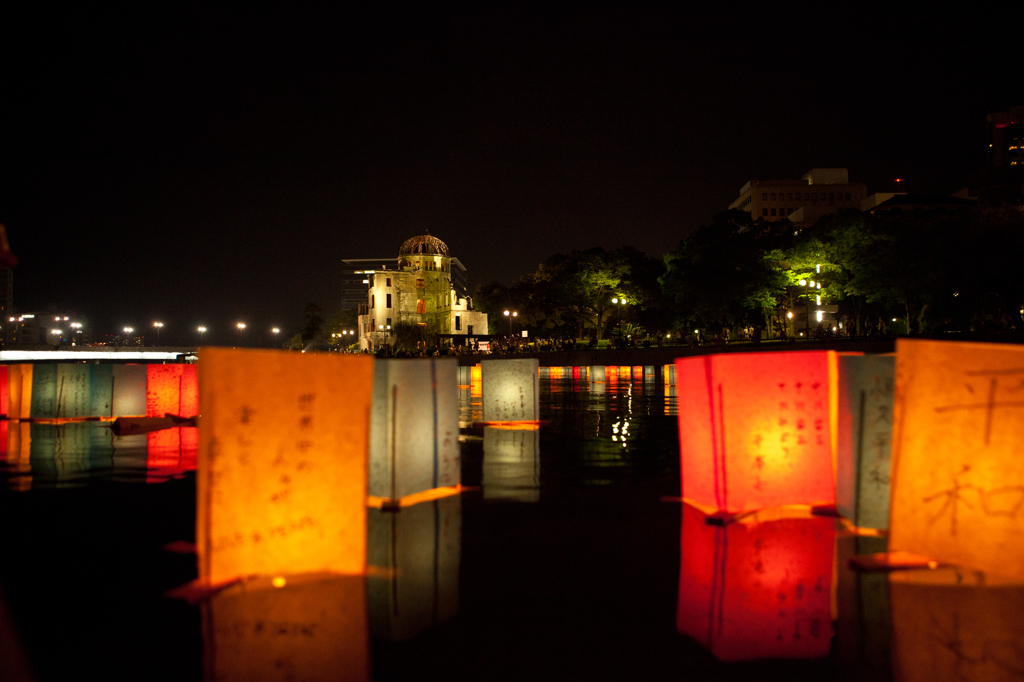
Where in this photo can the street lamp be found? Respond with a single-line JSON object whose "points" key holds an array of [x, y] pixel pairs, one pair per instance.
{"points": [[202, 334], [510, 315], [128, 331], [159, 326], [241, 329]]}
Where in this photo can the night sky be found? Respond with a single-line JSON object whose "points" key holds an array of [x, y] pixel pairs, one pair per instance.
{"points": [[214, 166]]}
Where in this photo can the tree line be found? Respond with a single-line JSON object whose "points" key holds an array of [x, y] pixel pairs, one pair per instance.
{"points": [[931, 270]]}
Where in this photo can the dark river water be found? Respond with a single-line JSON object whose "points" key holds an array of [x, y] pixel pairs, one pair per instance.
{"points": [[572, 558]]}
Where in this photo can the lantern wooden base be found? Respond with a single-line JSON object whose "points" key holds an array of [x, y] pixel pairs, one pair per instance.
{"points": [[390, 504], [891, 561]]}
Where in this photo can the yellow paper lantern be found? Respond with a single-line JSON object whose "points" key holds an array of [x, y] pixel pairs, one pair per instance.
{"points": [[296, 628], [511, 391], [951, 626], [414, 556], [958, 473], [758, 430], [282, 468], [511, 469], [414, 427], [865, 433]]}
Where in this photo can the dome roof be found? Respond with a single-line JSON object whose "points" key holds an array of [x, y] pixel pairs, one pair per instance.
{"points": [[424, 245]]}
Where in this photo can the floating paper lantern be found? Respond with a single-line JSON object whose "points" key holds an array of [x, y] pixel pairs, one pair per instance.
{"points": [[128, 390], [670, 375], [282, 463], [171, 389], [597, 374], [101, 390], [650, 375], [864, 435], [511, 391], [44, 391], [950, 626], [757, 429], [415, 553], [19, 387], [511, 469], [74, 391], [465, 377], [414, 427], [958, 474], [5, 392], [757, 589], [310, 628]]}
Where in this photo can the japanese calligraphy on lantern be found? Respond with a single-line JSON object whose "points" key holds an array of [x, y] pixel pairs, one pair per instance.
{"points": [[511, 390], [757, 429], [958, 474], [865, 431], [282, 463]]}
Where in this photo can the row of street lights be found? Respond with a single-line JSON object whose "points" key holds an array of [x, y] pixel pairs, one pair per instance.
{"points": [[240, 326]]}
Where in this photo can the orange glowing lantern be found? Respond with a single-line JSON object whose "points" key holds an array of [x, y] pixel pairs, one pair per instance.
{"points": [[295, 628], [5, 392], [511, 468], [757, 430], [415, 556], [414, 427], [282, 463], [511, 391], [958, 474], [171, 389], [19, 455], [128, 391], [670, 375], [865, 432], [953, 626], [757, 589], [20, 387]]}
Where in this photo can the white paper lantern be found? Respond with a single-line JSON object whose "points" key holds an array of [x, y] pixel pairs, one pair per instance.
{"points": [[414, 427], [865, 433], [511, 391]]}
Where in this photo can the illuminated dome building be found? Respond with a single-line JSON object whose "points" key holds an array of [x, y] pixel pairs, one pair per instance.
{"points": [[419, 291]]}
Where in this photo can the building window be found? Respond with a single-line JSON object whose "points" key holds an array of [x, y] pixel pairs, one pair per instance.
{"points": [[847, 196], [789, 196], [469, 330], [372, 301], [764, 211], [458, 323], [773, 196], [389, 300], [389, 284], [814, 196], [421, 306], [806, 197], [389, 323], [773, 211], [764, 196]]}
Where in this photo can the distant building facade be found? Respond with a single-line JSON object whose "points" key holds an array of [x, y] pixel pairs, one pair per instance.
{"points": [[1006, 138], [818, 192], [425, 287]]}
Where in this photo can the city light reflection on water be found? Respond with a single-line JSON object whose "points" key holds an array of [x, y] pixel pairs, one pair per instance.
{"points": [[568, 546]]}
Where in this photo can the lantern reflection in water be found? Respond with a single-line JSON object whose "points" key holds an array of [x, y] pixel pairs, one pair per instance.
{"points": [[415, 554], [757, 430], [863, 623], [511, 468], [311, 628], [171, 452], [510, 391], [282, 463], [414, 427], [865, 433], [958, 474], [757, 589], [19, 455], [60, 453], [952, 626]]}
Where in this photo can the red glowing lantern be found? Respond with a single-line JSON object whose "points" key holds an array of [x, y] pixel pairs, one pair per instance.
{"points": [[757, 430], [5, 392], [171, 389], [757, 589]]}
